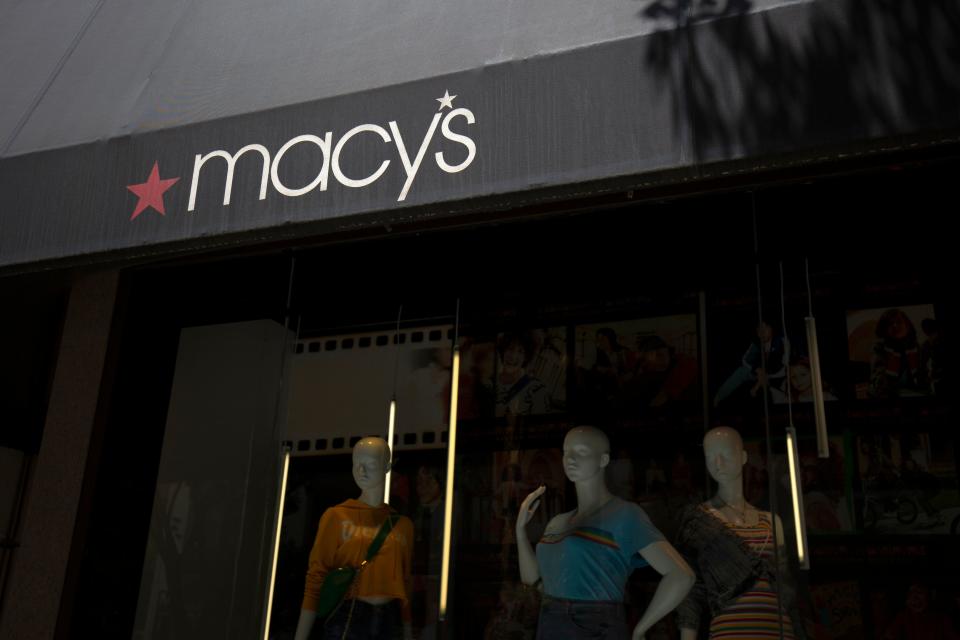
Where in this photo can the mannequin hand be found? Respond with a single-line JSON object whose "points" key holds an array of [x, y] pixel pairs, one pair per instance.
{"points": [[529, 506], [638, 633]]}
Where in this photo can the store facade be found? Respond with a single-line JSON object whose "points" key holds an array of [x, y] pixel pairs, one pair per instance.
{"points": [[636, 221]]}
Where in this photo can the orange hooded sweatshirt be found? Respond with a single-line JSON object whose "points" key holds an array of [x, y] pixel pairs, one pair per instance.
{"points": [[343, 537]]}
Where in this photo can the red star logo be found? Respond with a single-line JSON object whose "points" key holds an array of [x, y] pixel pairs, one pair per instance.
{"points": [[151, 192]]}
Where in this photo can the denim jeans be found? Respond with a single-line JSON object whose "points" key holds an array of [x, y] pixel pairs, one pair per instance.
{"points": [[581, 620], [367, 622]]}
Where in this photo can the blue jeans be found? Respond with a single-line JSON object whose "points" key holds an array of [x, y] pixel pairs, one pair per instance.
{"points": [[581, 620], [367, 622]]}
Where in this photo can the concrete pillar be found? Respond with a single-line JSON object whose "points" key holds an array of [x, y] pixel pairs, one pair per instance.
{"points": [[38, 570]]}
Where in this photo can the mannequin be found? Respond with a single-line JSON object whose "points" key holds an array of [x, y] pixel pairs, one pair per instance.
{"points": [[586, 555], [373, 608], [731, 544]]}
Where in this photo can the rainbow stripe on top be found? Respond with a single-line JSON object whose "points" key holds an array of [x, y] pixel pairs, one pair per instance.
{"points": [[592, 559], [591, 534]]}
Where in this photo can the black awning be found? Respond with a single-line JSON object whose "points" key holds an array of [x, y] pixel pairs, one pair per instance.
{"points": [[725, 82]]}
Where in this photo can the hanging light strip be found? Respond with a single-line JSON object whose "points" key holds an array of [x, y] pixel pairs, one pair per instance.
{"points": [[448, 503], [390, 429], [276, 542], [819, 410], [451, 468], [793, 459], [797, 495], [392, 420]]}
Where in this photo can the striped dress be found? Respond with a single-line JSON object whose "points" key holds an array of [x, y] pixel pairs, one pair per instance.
{"points": [[755, 613]]}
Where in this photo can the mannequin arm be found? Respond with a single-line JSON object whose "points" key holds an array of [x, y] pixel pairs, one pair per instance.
{"points": [[783, 554], [529, 571], [321, 559], [305, 624], [677, 580]]}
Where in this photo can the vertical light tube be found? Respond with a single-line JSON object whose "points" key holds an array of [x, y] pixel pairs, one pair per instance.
{"points": [[276, 542], [799, 518], [390, 429], [448, 502], [819, 411]]}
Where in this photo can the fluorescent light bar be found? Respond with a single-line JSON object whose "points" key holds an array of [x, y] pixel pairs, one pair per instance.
{"points": [[799, 520], [448, 502], [819, 411], [390, 425], [276, 542]]}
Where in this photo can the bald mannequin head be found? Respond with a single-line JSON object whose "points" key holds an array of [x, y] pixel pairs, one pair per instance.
{"points": [[374, 446], [586, 452], [371, 461], [724, 454]]}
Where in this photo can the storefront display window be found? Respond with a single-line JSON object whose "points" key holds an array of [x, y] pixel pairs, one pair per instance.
{"points": [[637, 447]]}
